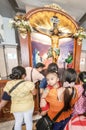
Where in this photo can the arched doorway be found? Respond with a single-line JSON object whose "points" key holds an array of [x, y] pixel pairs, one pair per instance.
{"points": [[40, 20]]}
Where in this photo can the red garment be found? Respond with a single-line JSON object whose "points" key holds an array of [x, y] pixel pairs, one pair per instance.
{"points": [[47, 105], [76, 123]]}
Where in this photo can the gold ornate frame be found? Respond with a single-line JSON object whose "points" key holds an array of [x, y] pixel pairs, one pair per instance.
{"points": [[41, 17]]}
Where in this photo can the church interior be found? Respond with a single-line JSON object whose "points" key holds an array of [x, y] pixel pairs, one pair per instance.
{"points": [[40, 31]]}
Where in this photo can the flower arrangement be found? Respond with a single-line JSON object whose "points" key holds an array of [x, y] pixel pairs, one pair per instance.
{"points": [[80, 33], [21, 23]]}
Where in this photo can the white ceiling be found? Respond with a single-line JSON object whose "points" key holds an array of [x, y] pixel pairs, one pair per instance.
{"points": [[75, 8]]}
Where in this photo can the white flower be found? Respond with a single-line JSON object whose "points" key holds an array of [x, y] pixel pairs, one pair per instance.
{"points": [[11, 21], [21, 23], [80, 33]]}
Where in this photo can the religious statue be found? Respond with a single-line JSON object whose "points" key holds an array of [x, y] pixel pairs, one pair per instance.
{"points": [[55, 34]]}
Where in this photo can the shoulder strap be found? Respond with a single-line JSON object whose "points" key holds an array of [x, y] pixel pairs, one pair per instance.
{"points": [[31, 74], [57, 115], [15, 86]]}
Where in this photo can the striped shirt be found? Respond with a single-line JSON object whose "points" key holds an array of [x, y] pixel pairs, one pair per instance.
{"points": [[76, 123]]}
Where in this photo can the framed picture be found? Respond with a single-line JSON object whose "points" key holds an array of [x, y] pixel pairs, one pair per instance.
{"points": [[41, 50], [40, 47]]}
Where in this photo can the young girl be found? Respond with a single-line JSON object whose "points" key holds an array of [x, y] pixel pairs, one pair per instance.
{"points": [[43, 83], [80, 105], [63, 97], [52, 82]]}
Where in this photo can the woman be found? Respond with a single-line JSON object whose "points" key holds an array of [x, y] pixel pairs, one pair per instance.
{"points": [[22, 103], [80, 105], [78, 121]]}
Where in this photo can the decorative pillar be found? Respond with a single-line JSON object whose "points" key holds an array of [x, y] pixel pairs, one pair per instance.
{"points": [[77, 54], [26, 52]]}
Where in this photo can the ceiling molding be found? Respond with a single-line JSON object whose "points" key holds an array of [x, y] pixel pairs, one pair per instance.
{"points": [[82, 19], [15, 6]]}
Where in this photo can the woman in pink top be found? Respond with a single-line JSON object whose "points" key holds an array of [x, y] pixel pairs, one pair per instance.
{"points": [[79, 118], [80, 105]]}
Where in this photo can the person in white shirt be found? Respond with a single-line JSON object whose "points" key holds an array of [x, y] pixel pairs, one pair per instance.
{"points": [[34, 74]]}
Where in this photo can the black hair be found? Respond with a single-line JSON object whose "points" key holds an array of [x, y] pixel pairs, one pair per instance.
{"points": [[52, 67], [68, 98], [44, 72], [69, 75], [82, 77], [17, 72], [52, 72], [38, 65]]}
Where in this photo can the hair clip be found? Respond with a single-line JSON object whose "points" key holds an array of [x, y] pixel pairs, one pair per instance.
{"points": [[84, 80]]}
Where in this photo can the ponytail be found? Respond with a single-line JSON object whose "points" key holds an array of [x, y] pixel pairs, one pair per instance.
{"points": [[67, 98], [84, 92], [82, 77]]}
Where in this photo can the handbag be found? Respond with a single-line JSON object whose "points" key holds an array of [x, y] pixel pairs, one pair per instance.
{"points": [[45, 123]]}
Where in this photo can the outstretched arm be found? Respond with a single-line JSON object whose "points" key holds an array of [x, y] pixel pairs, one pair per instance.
{"points": [[66, 35], [43, 31]]}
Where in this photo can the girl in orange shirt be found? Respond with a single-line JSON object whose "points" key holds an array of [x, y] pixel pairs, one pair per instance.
{"points": [[63, 97]]}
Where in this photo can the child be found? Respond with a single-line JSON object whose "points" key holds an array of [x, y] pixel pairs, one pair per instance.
{"points": [[43, 83], [62, 98], [53, 82]]}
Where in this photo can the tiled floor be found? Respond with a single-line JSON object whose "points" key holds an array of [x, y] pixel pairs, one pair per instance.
{"points": [[8, 125]]}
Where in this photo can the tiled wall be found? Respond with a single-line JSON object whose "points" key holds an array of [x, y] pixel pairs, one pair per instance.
{"points": [[83, 61], [8, 59]]}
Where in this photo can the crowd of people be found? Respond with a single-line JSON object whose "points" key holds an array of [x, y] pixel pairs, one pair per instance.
{"points": [[59, 91]]}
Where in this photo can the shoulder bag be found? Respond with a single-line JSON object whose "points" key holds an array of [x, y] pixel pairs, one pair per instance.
{"points": [[45, 123]]}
